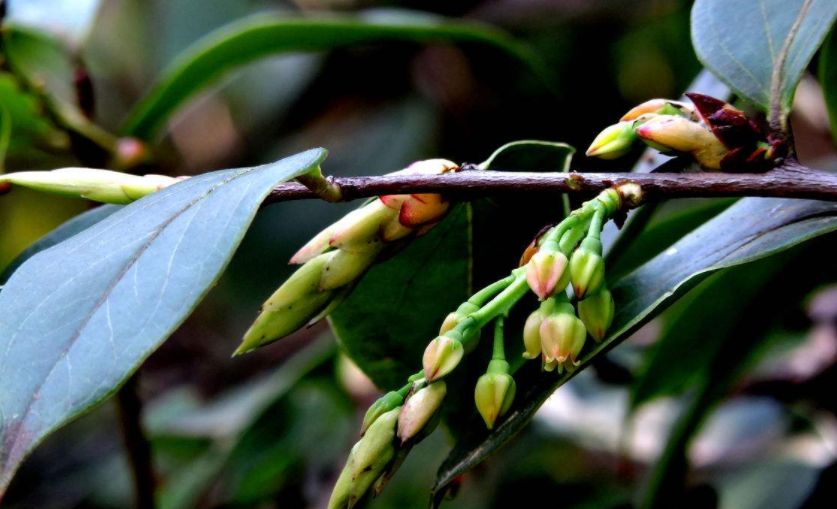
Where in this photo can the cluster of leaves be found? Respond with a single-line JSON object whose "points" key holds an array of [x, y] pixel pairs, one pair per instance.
{"points": [[75, 324]]}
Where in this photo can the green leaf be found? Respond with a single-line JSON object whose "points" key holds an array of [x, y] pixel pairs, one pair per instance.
{"points": [[761, 47], [27, 126], [77, 319], [751, 229], [260, 36], [828, 79]]}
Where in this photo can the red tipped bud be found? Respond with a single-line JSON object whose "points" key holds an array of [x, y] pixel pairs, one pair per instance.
{"points": [[441, 356], [562, 337], [419, 409], [587, 268], [547, 273], [493, 395]]}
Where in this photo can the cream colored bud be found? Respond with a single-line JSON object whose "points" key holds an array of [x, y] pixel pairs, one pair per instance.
{"points": [[546, 273], [419, 409], [441, 356]]}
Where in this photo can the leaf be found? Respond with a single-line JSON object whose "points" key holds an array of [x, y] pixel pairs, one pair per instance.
{"points": [[260, 36], [751, 229], [41, 59], [77, 319], [828, 79], [761, 47], [75, 225]]}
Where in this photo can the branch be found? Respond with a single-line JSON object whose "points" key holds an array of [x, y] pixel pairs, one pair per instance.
{"points": [[791, 180], [136, 444]]}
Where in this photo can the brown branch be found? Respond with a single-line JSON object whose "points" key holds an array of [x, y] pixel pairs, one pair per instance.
{"points": [[136, 444], [791, 180]]}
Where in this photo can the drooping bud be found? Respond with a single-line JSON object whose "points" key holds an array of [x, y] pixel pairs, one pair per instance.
{"points": [[441, 356], [104, 186], [367, 460], [562, 336], [587, 267], [494, 394], [613, 142], [670, 133], [382, 405], [547, 273], [419, 409], [596, 311], [453, 319], [532, 335]]}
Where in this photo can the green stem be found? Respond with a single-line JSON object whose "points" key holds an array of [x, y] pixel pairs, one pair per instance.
{"points": [[491, 290], [499, 352], [501, 303]]}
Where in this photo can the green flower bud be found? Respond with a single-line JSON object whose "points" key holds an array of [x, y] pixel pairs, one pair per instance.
{"points": [[104, 186], [562, 337], [493, 395], [344, 267], [613, 142], [441, 356], [453, 319], [596, 311], [359, 229], [532, 335], [547, 273], [367, 460], [419, 409], [382, 405], [290, 307], [587, 267]]}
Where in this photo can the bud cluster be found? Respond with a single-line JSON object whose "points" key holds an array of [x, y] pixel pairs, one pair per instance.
{"points": [[568, 255], [336, 257], [715, 134]]}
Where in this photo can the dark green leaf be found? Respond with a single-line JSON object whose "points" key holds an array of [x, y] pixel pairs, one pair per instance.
{"points": [[743, 41], [828, 79], [77, 319], [751, 229], [250, 39]]}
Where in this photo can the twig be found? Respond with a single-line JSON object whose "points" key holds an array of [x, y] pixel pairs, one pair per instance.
{"points": [[791, 180], [136, 444]]}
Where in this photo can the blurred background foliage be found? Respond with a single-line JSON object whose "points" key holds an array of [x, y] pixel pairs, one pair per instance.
{"points": [[741, 371]]}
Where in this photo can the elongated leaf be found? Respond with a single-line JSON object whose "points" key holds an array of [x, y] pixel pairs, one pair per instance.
{"points": [[257, 37], [77, 319], [751, 229], [828, 79], [743, 41]]}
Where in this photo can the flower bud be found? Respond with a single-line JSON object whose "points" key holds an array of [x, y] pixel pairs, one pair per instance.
{"points": [[532, 335], [613, 142], [290, 307], [441, 356], [596, 311], [547, 273], [493, 395], [587, 267], [421, 209], [419, 408], [453, 319], [104, 186], [367, 461], [562, 336], [382, 405], [358, 230], [669, 133], [343, 267], [660, 107]]}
